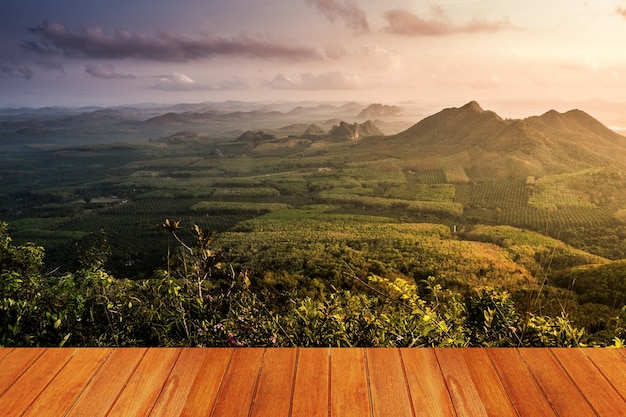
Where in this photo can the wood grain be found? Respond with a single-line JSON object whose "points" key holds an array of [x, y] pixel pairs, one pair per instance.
{"points": [[146, 383], [240, 382], [311, 390], [559, 389], [429, 394], [494, 396], [19, 396], [520, 385], [107, 383], [612, 364], [465, 397], [206, 385], [15, 363], [275, 388], [599, 392], [63, 390], [388, 383], [349, 391]]}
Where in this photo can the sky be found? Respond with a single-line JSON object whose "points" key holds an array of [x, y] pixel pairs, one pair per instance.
{"points": [[119, 52]]}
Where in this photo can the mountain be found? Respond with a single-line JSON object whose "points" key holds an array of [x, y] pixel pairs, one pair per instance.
{"points": [[379, 110], [551, 143], [354, 132]]}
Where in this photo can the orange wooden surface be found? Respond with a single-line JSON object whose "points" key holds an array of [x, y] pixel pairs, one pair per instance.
{"points": [[564, 396], [599, 392], [465, 398], [312, 382], [519, 383], [311, 393], [107, 384], [388, 383], [428, 389], [207, 382], [275, 389], [349, 390]]}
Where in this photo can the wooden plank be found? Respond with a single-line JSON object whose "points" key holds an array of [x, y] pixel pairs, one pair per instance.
{"points": [[4, 352], [388, 383], [68, 383], [275, 387], [32, 382], [599, 392], [206, 385], [240, 382], [488, 384], [428, 389], [311, 390], [612, 364], [465, 398], [15, 364], [174, 394], [522, 388], [564, 396], [103, 390], [349, 390], [146, 383]]}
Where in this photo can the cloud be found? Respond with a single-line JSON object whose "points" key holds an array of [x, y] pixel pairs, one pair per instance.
{"points": [[344, 11], [336, 80], [402, 22], [621, 11], [15, 71], [106, 72], [92, 42], [173, 82], [234, 83]]}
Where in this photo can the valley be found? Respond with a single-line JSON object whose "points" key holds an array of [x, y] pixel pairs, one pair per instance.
{"points": [[309, 198]]}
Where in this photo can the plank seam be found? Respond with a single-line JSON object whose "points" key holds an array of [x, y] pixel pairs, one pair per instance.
{"points": [[443, 377], [50, 381], [551, 350], [406, 381], [369, 385], [329, 387], [24, 371], [91, 378], [166, 379], [219, 390], [293, 381], [256, 384], [506, 389], [130, 376], [537, 384], [595, 365]]}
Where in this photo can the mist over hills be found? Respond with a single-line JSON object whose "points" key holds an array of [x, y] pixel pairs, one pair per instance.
{"points": [[550, 143]]}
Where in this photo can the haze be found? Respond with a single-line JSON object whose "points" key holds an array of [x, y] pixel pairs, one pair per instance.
{"points": [[514, 57]]}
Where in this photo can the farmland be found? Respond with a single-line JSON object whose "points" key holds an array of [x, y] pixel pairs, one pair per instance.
{"points": [[307, 214]]}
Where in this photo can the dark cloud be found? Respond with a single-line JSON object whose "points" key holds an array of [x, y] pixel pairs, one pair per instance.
{"points": [[92, 42], [621, 11], [402, 22], [344, 11], [106, 72], [15, 71]]}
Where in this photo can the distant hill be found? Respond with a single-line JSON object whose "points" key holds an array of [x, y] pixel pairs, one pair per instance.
{"points": [[539, 145], [354, 132], [379, 110]]}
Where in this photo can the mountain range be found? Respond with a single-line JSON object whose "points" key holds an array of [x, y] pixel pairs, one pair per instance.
{"points": [[547, 144]]}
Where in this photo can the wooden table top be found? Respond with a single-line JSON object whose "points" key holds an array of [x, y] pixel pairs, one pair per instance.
{"points": [[311, 382]]}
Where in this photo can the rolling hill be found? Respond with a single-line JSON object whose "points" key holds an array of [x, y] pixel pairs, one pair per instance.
{"points": [[540, 145]]}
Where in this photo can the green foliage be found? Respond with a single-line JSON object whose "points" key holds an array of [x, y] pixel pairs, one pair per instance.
{"points": [[198, 302]]}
